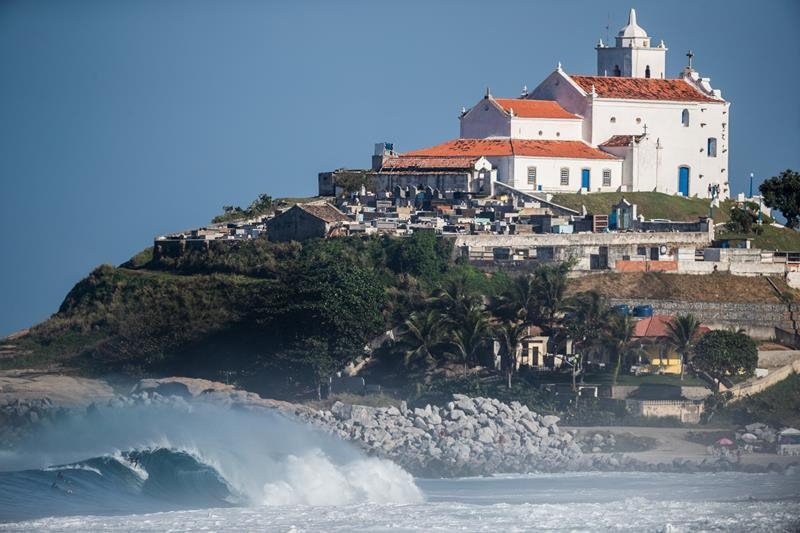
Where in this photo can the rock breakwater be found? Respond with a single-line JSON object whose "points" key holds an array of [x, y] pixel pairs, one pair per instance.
{"points": [[466, 437]]}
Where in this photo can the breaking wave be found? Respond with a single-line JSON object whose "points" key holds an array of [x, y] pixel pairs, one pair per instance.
{"points": [[137, 459]]}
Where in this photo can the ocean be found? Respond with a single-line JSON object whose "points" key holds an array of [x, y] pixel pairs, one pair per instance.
{"points": [[183, 467]]}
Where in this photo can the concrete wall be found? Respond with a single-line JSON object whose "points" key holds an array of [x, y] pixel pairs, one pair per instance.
{"points": [[777, 358], [685, 411], [645, 266], [756, 385], [612, 247]]}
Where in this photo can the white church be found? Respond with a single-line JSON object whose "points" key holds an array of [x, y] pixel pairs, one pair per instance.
{"points": [[628, 128]]}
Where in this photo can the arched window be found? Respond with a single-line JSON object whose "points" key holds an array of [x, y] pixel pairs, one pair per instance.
{"points": [[685, 118], [617, 71], [647, 71]]}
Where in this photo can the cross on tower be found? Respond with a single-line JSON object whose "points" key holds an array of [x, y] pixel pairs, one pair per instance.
{"points": [[690, 55], [645, 129]]}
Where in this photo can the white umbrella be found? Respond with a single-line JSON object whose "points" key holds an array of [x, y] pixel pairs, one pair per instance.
{"points": [[749, 437]]}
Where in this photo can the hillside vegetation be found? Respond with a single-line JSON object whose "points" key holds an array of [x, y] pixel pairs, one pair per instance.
{"points": [[720, 287]]}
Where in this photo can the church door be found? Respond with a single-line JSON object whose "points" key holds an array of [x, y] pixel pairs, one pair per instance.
{"points": [[585, 178], [683, 181]]}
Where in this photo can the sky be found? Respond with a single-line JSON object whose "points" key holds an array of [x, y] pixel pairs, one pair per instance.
{"points": [[124, 120]]}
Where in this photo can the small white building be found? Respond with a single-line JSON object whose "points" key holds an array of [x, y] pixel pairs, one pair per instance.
{"points": [[628, 128]]}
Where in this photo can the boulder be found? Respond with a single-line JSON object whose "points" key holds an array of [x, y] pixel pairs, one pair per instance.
{"points": [[549, 420]]}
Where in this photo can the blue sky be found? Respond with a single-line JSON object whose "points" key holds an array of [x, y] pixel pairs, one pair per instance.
{"points": [[122, 120]]}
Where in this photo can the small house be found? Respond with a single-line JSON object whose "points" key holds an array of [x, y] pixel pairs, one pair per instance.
{"points": [[307, 221]]}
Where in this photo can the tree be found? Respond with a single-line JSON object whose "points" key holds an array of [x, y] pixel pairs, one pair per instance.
{"points": [[511, 335], [422, 338], [470, 334], [585, 324], [520, 302], [744, 219], [782, 192], [418, 254], [682, 333], [551, 283], [726, 353], [619, 332], [455, 298]]}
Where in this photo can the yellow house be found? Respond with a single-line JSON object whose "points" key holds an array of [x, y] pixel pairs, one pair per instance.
{"points": [[653, 329]]}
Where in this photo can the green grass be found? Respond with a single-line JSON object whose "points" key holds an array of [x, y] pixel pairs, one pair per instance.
{"points": [[772, 238], [650, 205]]}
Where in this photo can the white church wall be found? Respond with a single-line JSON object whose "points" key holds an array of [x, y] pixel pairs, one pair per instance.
{"points": [[680, 145], [557, 87], [548, 174], [547, 129], [484, 120]]}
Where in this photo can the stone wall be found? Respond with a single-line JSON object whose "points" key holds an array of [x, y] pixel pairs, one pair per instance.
{"points": [[758, 320]]}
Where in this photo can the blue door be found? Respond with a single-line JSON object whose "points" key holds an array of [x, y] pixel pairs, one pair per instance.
{"points": [[683, 181], [585, 178]]}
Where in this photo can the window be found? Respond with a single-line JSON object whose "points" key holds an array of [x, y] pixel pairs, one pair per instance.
{"points": [[685, 118], [606, 177], [613, 119], [532, 176], [638, 120], [647, 71], [712, 147], [564, 176]]}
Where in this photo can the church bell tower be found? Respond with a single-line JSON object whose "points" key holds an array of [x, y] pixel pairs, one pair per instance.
{"points": [[632, 56]]}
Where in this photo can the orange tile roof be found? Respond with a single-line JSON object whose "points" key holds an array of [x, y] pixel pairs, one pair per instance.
{"points": [[656, 326], [621, 140], [405, 162], [526, 108], [642, 89], [509, 147]]}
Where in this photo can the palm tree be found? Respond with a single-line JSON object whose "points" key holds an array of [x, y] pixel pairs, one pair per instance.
{"points": [[422, 337], [454, 299], [551, 283], [584, 324], [470, 333], [520, 302], [511, 335], [619, 333], [682, 334]]}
